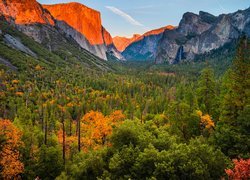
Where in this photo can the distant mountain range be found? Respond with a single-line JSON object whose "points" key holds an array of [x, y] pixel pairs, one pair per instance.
{"points": [[122, 43], [201, 33], [196, 34]]}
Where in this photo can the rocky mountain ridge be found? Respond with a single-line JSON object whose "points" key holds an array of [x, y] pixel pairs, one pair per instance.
{"points": [[84, 26], [201, 33], [144, 47], [196, 34], [25, 12], [122, 43]]}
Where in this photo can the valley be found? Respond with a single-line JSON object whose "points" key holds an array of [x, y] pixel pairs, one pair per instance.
{"points": [[172, 103]]}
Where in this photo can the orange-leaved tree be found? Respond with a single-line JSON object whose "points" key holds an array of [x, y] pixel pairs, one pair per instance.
{"points": [[96, 128], [241, 170], [10, 164]]}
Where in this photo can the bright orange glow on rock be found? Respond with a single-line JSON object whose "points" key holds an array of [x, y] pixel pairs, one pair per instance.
{"points": [[122, 43], [85, 20], [107, 37], [158, 31], [25, 12]]}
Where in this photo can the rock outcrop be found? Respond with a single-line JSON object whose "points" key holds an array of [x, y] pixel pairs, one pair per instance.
{"points": [[144, 47], [122, 43], [107, 38], [111, 48], [25, 12], [200, 34], [87, 22], [17, 44], [73, 20]]}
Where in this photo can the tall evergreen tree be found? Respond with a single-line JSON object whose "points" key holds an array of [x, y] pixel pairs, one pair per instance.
{"points": [[231, 132], [206, 90], [237, 96]]}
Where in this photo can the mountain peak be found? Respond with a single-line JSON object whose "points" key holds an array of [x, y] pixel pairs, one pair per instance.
{"points": [[25, 12], [85, 20], [159, 30], [192, 23], [136, 35], [74, 5], [122, 43], [207, 17]]}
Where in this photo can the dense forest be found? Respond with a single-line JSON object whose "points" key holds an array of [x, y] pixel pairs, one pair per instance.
{"points": [[132, 121]]}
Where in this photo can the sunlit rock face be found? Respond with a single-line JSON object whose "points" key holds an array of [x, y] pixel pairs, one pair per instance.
{"points": [[158, 31], [87, 22], [82, 18], [74, 20], [122, 43], [107, 38], [145, 46], [27, 16], [25, 12], [70, 32]]}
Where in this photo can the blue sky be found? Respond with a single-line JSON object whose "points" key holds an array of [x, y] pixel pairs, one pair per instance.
{"points": [[127, 17]]}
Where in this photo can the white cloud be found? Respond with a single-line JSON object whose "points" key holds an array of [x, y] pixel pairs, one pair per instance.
{"points": [[124, 15]]}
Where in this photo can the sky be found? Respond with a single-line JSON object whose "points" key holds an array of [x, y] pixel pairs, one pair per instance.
{"points": [[128, 17]]}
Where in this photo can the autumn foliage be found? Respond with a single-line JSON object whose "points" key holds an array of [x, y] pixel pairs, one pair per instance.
{"points": [[96, 127], [241, 170], [10, 163], [206, 121]]}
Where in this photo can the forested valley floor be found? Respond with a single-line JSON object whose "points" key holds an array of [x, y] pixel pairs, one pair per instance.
{"points": [[132, 121]]}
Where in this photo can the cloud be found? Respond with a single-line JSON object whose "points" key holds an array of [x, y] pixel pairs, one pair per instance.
{"points": [[124, 15]]}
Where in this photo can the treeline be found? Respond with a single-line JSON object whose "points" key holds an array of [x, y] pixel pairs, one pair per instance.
{"points": [[70, 123]]}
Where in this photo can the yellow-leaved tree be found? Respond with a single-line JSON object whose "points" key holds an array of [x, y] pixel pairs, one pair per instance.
{"points": [[10, 164], [206, 122], [96, 128]]}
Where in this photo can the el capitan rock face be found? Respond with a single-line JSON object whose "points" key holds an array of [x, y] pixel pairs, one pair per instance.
{"points": [[82, 18], [25, 12], [87, 22], [107, 38], [72, 20], [144, 47]]}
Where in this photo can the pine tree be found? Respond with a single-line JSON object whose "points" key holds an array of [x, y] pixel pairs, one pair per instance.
{"points": [[231, 133], [237, 96], [206, 90]]}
